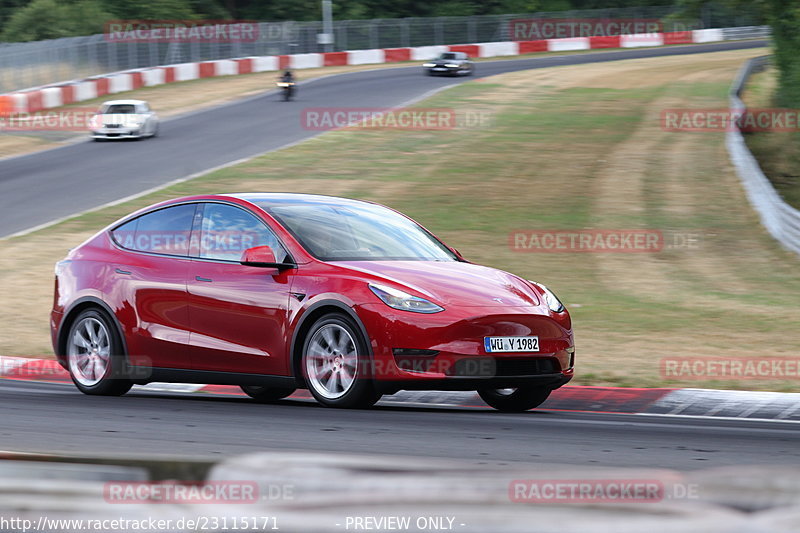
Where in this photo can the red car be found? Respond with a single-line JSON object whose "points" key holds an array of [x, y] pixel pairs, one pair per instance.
{"points": [[275, 292]]}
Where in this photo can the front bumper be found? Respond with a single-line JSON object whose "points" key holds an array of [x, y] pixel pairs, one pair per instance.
{"points": [[117, 133], [445, 351], [444, 70]]}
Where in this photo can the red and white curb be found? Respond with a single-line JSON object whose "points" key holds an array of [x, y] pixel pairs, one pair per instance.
{"points": [[661, 401], [40, 98]]}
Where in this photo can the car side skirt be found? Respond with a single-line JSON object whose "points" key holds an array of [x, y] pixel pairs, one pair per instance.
{"points": [[143, 375]]}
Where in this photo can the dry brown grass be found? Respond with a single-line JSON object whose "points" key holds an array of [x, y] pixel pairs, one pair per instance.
{"points": [[571, 147]]}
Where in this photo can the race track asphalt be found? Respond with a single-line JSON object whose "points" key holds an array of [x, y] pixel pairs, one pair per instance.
{"points": [[38, 188], [56, 418]]}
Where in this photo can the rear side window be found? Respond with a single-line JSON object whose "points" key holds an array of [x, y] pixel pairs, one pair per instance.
{"points": [[166, 231], [228, 231]]}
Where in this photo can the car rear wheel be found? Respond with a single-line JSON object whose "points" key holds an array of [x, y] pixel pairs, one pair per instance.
{"points": [[266, 394], [95, 357], [514, 400], [335, 363]]}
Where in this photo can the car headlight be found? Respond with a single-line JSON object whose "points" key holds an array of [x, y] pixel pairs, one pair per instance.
{"points": [[397, 299], [452, 65], [552, 300], [429, 65]]}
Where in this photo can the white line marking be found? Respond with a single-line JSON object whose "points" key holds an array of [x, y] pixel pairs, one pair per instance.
{"points": [[705, 417], [752, 409], [789, 411]]}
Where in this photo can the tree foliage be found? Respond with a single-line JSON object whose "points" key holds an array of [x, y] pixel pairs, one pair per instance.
{"points": [[51, 19], [785, 22]]}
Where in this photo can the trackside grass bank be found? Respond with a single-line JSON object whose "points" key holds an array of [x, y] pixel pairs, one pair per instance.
{"points": [[571, 150]]}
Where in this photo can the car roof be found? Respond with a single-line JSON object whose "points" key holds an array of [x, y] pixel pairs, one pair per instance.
{"points": [[124, 102], [276, 198]]}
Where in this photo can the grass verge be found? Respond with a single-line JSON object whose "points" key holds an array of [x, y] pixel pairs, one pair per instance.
{"points": [[183, 97], [566, 148]]}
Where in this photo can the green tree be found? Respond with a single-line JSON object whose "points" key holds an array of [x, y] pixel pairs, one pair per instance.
{"points": [[150, 9], [785, 22], [51, 19]]}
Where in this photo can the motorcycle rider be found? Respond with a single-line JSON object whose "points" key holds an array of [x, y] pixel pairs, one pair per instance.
{"points": [[287, 77]]}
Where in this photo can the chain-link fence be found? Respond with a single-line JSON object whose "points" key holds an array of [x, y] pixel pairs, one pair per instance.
{"points": [[39, 63]]}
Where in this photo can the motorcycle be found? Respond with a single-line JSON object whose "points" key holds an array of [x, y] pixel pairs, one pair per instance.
{"points": [[288, 89]]}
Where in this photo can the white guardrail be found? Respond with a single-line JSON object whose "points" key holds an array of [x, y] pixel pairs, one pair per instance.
{"points": [[781, 220]]}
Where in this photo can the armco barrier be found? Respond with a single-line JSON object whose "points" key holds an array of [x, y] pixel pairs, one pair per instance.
{"points": [[781, 220], [36, 99]]}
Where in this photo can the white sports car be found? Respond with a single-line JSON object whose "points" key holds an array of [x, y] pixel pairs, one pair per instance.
{"points": [[124, 119]]}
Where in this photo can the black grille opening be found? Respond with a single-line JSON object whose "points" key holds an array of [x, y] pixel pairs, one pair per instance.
{"points": [[491, 367], [414, 360]]}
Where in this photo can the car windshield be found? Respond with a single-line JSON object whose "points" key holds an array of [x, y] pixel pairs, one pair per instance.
{"points": [[122, 109], [448, 55], [354, 231]]}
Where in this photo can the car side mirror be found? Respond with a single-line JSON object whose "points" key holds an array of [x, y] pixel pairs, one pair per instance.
{"points": [[264, 257]]}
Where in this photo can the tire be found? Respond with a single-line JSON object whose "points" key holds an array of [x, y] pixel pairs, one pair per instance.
{"points": [[335, 363], [266, 394], [93, 342], [514, 400], [155, 133]]}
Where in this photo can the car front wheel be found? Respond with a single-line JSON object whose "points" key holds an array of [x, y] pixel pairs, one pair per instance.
{"points": [[95, 357], [514, 400], [336, 363]]}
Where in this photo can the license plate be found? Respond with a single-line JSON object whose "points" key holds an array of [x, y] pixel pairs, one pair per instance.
{"points": [[511, 344], [439, 68]]}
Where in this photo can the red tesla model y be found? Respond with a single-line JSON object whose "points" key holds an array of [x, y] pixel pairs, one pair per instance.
{"points": [[275, 292]]}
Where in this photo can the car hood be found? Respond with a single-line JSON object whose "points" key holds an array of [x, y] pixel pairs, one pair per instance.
{"points": [[452, 283]]}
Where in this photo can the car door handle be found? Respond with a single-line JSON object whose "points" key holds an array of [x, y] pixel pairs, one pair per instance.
{"points": [[199, 278], [120, 271]]}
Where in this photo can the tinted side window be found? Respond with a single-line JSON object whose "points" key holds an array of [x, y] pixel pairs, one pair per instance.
{"points": [[228, 231], [165, 231]]}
